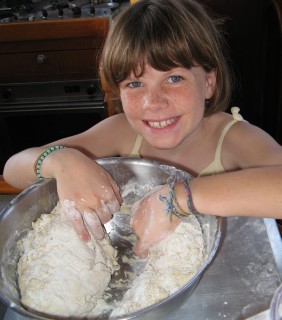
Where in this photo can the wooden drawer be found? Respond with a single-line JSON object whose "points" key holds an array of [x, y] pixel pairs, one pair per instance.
{"points": [[50, 65], [51, 51]]}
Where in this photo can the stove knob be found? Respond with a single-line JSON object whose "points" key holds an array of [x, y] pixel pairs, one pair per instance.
{"points": [[91, 89], [60, 12], [44, 13], [76, 12], [92, 10], [31, 18]]}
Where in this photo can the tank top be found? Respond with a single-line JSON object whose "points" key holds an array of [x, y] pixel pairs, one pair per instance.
{"points": [[216, 165]]}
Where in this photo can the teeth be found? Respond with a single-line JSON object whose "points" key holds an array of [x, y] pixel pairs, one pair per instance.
{"points": [[161, 124]]}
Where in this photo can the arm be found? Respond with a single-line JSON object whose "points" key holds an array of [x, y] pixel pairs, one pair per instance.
{"points": [[97, 142], [87, 192], [255, 192], [252, 192], [253, 189], [92, 195]]}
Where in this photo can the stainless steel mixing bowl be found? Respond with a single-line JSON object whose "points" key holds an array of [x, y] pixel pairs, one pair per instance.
{"points": [[16, 219]]}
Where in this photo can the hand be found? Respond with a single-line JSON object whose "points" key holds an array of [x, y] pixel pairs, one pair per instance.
{"points": [[150, 222], [88, 193]]}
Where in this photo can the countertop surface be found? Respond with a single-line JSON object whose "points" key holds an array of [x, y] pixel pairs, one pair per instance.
{"points": [[239, 283], [6, 189]]}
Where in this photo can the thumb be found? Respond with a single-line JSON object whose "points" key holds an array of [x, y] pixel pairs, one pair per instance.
{"points": [[115, 188], [140, 249]]}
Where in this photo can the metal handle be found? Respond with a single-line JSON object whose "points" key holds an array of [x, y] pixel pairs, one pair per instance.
{"points": [[41, 59]]}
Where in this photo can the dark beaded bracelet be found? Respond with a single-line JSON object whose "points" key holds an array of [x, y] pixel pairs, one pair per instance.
{"points": [[172, 205], [189, 198]]}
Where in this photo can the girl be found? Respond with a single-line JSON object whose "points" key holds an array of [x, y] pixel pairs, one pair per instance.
{"points": [[166, 62]]}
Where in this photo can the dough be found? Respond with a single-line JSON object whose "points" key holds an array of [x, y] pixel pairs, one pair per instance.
{"points": [[61, 275], [58, 273], [170, 265]]}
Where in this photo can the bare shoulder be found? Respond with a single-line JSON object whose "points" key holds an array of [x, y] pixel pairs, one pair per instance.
{"points": [[112, 136], [247, 145], [116, 122]]}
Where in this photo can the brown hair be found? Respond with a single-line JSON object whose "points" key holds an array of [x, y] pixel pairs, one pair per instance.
{"points": [[166, 34]]}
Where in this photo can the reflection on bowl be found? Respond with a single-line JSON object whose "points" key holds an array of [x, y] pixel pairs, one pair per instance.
{"points": [[276, 305]]}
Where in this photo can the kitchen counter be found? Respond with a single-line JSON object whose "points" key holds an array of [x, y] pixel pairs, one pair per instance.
{"points": [[241, 280], [6, 189]]}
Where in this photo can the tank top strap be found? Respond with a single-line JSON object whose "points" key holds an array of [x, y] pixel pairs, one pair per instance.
{"points": [[221, 138], [137, 145], [236, 117]]}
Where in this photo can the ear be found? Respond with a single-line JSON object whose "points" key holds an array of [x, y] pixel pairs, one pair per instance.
{"points": [[210, 83]]}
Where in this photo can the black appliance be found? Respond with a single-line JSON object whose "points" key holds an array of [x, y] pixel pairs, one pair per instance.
{"points": [[33, 114]]}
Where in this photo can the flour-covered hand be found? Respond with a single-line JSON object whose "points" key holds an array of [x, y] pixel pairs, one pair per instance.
{"points": [[88, 193], [150, 221]]}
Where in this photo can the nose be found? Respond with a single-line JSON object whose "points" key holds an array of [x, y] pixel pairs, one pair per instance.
{"points": [[155, 99]]}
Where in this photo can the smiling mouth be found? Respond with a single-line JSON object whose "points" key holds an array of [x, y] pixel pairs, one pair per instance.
{"points": [[162, 124]]}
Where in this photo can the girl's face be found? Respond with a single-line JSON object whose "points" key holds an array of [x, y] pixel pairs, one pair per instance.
{"points": [[165, 107]]}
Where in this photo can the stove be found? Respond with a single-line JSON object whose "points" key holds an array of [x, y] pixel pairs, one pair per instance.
{"points": [[33, 114], [39, 10]]}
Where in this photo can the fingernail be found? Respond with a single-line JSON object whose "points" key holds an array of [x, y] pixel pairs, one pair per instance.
{"points": [[85, 237]]}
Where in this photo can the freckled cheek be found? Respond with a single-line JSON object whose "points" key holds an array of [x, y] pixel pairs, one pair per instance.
{"points": [[179, 98], [132, 104], [192, 102]]}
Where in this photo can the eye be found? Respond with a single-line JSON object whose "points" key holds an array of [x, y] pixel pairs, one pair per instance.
{"points": [[134, 84], [175, 79]]}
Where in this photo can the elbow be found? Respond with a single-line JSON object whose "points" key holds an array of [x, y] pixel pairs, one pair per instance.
{"points": [[8, 171], [11, 174]]}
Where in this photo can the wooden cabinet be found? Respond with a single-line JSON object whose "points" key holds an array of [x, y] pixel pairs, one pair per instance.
{"points": [[51, 50], [54, 51]]}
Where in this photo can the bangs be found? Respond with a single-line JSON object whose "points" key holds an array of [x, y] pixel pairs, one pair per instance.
{"points": [[160, 54], [147, 39], [159, 49]]}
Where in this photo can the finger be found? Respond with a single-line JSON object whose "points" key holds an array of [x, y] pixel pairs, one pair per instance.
{"points": [[104, 213], [115, 189], [117, 193], [76, 219], [93, 224], [138, 216], [140, 249]]}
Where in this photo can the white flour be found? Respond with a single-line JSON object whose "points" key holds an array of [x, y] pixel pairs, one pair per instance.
{"points": [[60, 274], [171, 264]]}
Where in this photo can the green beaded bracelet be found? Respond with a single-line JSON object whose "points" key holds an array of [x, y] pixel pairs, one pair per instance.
{"points": [[40, 159]]}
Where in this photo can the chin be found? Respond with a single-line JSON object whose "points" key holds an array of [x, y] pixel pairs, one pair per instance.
{"points": [[164, 145]]}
